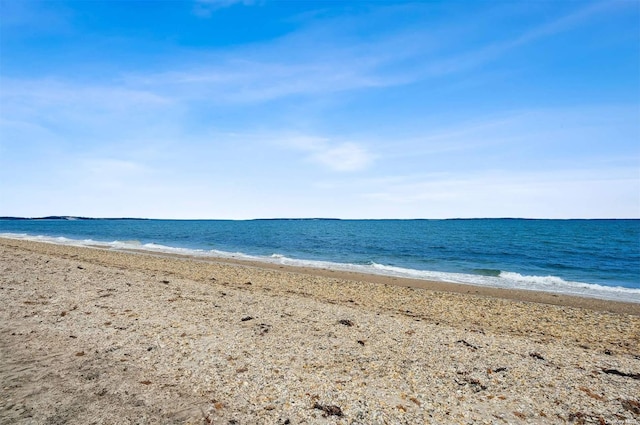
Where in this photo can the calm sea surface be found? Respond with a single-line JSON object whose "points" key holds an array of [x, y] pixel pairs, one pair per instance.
{"points": [[597, 258]]}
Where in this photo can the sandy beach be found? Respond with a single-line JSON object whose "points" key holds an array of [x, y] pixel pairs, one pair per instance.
{"points": [[103, 337]]}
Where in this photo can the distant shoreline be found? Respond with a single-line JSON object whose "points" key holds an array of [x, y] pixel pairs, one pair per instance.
{"points": [[71, 218], [79, 218]]}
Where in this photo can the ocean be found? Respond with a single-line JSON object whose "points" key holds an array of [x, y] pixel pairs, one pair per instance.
{"points": [[592, 258]]}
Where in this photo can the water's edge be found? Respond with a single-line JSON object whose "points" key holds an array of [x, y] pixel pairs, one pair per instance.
{"points": [[485, 278]]}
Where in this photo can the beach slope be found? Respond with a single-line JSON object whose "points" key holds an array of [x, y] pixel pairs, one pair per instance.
{"points": [[97, 336]]}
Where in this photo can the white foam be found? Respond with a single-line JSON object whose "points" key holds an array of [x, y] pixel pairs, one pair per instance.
{"points": [[507, 280], [59, 240], [549, 283]]}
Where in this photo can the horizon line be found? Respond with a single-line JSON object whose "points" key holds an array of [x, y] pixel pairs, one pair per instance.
{"points": [[72, 218]]}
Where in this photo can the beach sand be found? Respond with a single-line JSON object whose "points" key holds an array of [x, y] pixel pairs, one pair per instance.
{"points": [[97, 336]]}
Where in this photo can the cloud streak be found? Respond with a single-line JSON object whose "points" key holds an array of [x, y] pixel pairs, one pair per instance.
{"points": [[333, 155], [338, 63], [205, 8], [572, 193]]}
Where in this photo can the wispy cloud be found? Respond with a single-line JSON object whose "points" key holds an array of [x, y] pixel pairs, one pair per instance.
{"points": [[111, 173], [605, 192], [253, 80], [37, 16], [534, 138], [325, 59], [491, 51], [336, 156], [93, 110], [204, 8], [56, 96], [568, 21]]}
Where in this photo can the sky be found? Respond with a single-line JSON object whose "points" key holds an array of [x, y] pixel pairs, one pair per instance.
{"points": [[239, 109]]}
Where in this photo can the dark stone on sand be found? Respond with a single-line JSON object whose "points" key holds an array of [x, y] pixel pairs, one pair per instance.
{"points": [[329, 410]]}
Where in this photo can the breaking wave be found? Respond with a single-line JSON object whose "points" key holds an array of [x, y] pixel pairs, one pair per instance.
{"points": [[480, 277]]}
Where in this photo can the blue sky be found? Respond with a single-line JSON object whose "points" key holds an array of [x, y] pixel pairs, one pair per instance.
{"points": [[368, 109]]}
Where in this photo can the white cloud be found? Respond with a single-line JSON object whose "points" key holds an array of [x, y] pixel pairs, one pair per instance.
{"points": [[256, 80], [336, 156], [58, 114], [111, 167], [597, 193], [56, 104], [344, 157], [492, 51], [325, 59], [531, 138], [56, 93]]}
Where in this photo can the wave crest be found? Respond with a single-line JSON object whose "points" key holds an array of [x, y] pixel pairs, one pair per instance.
{"points": [[482, 277]]}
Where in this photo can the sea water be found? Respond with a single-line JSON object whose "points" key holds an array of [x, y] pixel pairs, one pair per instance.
{"points": [[593, 258]]}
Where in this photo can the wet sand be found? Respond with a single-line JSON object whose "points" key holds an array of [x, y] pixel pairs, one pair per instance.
{"points": [[97, 336]]}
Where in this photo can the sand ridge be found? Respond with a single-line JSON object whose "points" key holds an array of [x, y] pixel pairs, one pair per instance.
{"points": [[96, 336]]}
